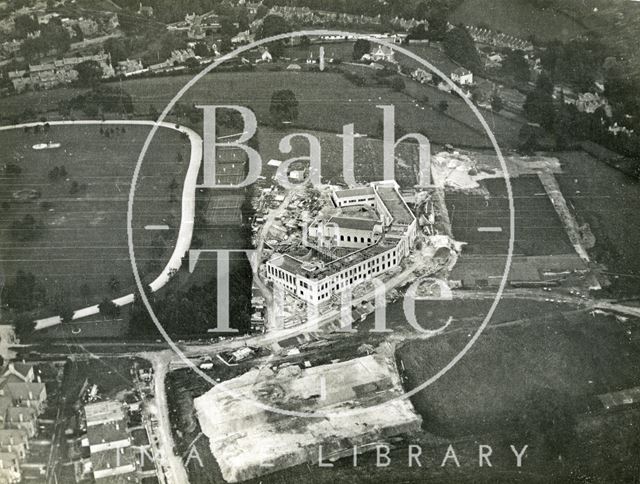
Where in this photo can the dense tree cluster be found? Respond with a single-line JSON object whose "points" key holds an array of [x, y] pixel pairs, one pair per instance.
{"points": [[459, 46], [575, 63], [538, 106], [24, 292], [100, 99], [194, 311], [53, 38], [284, 106], [89, 73], [273, 25]]}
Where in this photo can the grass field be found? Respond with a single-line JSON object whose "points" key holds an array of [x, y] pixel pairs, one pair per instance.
{"points": [[326, 102], [609, 201], [518, 18], [538, 228], [12, 107], [83, 240], [367, 156], [517, 376]]}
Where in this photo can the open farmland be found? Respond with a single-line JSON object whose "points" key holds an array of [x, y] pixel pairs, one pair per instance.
{"points": [[327, 101], [80, 239]]}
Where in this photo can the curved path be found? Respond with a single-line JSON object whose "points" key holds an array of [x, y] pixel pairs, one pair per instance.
{"points": [[185, 232]]}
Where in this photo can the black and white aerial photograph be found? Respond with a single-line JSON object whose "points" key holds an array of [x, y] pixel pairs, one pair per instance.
{"points": [[319, 241]]}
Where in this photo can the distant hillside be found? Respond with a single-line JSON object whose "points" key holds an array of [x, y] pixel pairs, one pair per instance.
{"points": [[519, 18]]}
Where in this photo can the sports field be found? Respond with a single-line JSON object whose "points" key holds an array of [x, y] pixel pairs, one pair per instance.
{"points": [[483, 221], [79, 242]]}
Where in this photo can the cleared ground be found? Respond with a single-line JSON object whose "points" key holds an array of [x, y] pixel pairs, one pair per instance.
{"points": [[81, 242], [538, 230]]}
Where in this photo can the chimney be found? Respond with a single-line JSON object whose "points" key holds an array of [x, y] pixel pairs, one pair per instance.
{"points": [[21, 417], [39, 379], [30, 395]]}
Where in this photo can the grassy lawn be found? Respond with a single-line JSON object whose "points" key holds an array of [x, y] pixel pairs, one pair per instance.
{"points": [[517, 17], [82, 239], [609, 201], [538, 228]]}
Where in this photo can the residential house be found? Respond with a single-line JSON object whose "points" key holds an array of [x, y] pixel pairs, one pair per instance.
{"points": [[14, 440], [103, 412], [9, 468], [24, 418], [422, 75], [5, 403], [243, 38], [112, 457], [22, 371], [588, 102], [128, 67], [113, 463], [266, 56], [146, 11], [61, 71], [106, 436], [380, 53], [26, 394], [462, 76]]}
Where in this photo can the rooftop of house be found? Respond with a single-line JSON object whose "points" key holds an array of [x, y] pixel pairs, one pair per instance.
{"points": [[25, 390], [13, 414], [112, 458], [107, 432], [127, 478], [107, 411], [8, 458], [461, 71], [21, 368], [5, 403], [13, 436]]}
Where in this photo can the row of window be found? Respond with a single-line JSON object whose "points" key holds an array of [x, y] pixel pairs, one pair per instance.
{"points": [[355, 239]]}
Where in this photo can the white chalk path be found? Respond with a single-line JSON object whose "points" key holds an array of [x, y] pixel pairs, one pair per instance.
{"points": [[186, 220]]}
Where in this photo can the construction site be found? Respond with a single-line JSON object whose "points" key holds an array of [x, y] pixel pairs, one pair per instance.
{"points": [[357, 398]]}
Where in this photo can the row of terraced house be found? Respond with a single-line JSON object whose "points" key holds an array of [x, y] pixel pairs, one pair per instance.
{"points": [[22, 399]]}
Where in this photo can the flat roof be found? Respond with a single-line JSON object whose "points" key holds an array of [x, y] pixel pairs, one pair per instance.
{"points": [[396, 206], [107, 432], [103, 412], [353, 192]]}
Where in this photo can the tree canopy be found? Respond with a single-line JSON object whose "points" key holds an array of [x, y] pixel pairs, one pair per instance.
{"points": [[284, 106], [89, 73], [459, 45]]}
